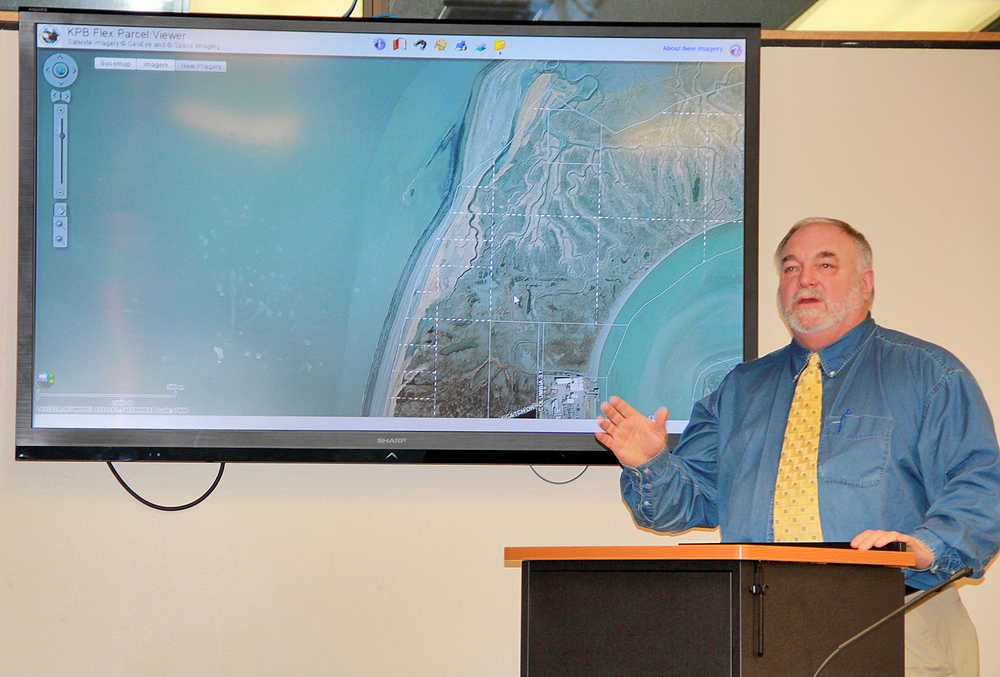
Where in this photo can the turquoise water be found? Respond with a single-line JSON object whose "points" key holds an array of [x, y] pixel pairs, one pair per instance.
{"points": [[674, 344], [241, 233]]}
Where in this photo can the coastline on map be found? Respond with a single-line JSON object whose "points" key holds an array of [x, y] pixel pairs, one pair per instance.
{"points": [[676, 351], [483, 136], [625, 295]]}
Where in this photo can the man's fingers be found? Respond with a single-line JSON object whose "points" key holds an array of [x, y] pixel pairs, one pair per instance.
{"points": [[632, 437], [863, 541], [611, 443], [609, 410], [887, 537], [660, 417], [623, 407], [872, 538], [617, 410]]}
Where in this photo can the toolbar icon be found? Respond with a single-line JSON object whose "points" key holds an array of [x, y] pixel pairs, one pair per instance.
{"points": [[398, 43], [499, 44], [441, 44]]}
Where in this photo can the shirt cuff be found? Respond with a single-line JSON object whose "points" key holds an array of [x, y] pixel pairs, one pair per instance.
{"points": [[939, 550]]}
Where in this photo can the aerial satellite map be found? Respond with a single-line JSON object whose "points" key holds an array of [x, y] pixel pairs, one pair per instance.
{"points": [[369, 237], [591, 245]]}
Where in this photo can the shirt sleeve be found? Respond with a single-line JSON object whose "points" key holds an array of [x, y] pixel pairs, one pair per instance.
{"points": [[957, 450], [677, 491]]}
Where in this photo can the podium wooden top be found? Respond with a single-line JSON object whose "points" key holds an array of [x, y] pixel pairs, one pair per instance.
{"points": [[513, 557]]}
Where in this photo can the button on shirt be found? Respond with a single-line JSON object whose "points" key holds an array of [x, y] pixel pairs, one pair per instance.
{"points": [[907, 444]]}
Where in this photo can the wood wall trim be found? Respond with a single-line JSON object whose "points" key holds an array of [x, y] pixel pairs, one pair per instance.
{"points": [[876, 36], [375, 7]]}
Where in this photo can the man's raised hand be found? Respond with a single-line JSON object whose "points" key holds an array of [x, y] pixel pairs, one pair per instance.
{"points": [[632, 437]]}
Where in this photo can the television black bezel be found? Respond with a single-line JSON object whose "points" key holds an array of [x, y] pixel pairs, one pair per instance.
{"points": [[291, 446]]}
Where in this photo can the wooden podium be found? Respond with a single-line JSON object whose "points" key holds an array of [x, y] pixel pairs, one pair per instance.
{"points": [[708, 610]]}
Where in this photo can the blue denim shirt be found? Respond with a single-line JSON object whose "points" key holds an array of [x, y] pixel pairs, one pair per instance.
{"points": [[907, 444]]}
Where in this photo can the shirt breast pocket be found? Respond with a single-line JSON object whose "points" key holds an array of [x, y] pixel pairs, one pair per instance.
{"points": [[854, 450]]}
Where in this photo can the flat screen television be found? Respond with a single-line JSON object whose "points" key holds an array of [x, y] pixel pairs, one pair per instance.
{"points": [[288, 239]]}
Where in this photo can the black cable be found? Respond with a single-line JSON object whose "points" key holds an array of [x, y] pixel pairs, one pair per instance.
{"points": [[348, 12], [916, 600], [572, 479], [167, 508]]}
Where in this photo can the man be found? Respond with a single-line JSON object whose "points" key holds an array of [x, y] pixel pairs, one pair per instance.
{"points": [[902, 449]]}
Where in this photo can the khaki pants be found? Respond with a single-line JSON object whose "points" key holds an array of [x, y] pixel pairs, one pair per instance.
{"points": [[941, 640]]}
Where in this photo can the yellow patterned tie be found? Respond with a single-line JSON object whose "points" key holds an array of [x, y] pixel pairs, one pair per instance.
{"points": [[796, 503]]}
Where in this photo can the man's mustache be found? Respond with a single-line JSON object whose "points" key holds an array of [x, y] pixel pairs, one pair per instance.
{"points": [[809, 293]]}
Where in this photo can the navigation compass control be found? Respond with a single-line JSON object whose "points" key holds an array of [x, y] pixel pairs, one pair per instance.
{"points": [[60, 71]]}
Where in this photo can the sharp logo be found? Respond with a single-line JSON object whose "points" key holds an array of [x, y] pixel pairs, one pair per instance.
{"points": [[392, 440]]}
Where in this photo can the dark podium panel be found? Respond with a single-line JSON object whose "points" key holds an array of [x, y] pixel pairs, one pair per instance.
{"points": [[708, 617]]}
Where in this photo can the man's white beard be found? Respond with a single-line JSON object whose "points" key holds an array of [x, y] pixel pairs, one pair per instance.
{"points": [[823, 316]]}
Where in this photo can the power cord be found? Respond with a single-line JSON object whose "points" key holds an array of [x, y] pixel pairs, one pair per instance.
{"points": [[571, 479], [348, 12], [167, 508]]}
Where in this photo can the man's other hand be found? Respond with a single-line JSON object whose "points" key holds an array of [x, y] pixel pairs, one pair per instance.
{"points": [[632, 437], [874, 538]]}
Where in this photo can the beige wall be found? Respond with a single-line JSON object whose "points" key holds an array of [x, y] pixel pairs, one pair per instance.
{"points": [[357, 570]]}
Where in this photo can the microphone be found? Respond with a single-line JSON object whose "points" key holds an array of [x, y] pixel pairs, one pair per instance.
{"points": [[962, 573]]}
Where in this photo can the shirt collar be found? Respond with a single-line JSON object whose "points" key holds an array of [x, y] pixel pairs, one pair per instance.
{"points": [[834, 356]]}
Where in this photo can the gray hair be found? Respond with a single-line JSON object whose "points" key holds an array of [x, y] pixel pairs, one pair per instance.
{"points": [[860, 242]]}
